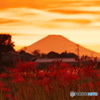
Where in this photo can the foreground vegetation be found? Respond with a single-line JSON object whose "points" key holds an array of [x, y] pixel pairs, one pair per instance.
{"points": [[26, 82]]}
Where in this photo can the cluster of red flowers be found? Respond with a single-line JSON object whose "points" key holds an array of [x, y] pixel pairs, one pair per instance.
{"points": [[25, 79]]}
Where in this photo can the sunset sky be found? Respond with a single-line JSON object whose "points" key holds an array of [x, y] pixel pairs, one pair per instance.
{"points": [[31, 20]]}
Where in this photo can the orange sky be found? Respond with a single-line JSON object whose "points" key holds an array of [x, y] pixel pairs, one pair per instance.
{"points": [[30, 20]]}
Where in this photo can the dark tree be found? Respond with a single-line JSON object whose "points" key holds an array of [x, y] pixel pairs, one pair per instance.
{"points": [[43, 55], [21, 52], [72, 55], [68, 55], [52, 54], [36, 53], [64, 55], [6, 44]]}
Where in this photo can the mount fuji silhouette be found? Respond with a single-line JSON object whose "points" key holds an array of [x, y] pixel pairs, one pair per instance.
{"points": [[59, 44]]}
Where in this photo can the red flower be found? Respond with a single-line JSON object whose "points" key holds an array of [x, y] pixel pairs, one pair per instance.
{"points": [[89, 72], [6, 90], [4, 75], [64, 66], [84, 85], [17, 78], [7, 95], [12, 98], [45, 81], [98, 83], [26, 67], [91, 85], [1, 84]]}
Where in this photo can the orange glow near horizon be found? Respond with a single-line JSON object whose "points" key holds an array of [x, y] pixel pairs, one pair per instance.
{"points": [[31, 20]]}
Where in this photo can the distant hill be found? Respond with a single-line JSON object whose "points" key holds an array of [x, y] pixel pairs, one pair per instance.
{"points": [[59, 44]]}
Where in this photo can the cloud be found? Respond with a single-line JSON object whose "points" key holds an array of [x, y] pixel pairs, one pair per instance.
{"points": [[65, 23], [47, 4], [49, 25], [15, 13], [8, 21], [65, 11], [38, 4], [23, 20], [20, 34], [79, 21], [18, 16]]}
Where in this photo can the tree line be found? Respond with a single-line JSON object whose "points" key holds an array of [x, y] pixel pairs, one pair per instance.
{"points": [[53, 54]]}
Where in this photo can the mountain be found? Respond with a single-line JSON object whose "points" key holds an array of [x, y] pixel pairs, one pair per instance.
{"points": [[59, 44]]}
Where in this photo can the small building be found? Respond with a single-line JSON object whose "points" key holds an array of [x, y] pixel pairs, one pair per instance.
{"points": [[11, 56], [48, 60]]}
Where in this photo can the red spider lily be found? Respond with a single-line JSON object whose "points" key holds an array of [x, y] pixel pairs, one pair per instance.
{"points": [[70, 77], [98, 75], [84, 86], [92, 63], [15, 70], [6, 90], [59, 76], [41, 74], [17, 78], [54, 65], [8, 95], [89, 72], [2, 84], [77, 59], [4, 75], [45, 81], [79, 71], [98, 83], [91, 86], [54, 75], [28, 75], [12, 98], [48, 88], [26, 66], [64, 66]]}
